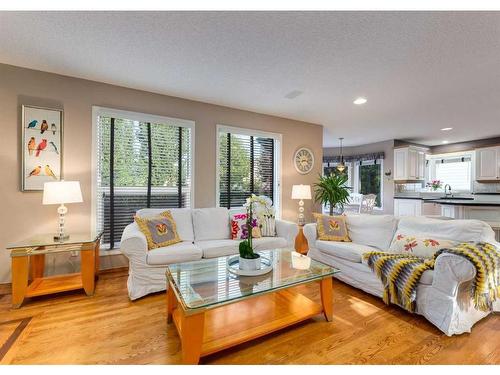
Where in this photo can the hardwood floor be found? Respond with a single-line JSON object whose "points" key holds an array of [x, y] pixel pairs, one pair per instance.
{"points": [[107, 328]]}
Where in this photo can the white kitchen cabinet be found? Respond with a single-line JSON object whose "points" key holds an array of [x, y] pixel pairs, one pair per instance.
{"points": [[409, 163], [431, 209], [407, 207], [488, 163]]}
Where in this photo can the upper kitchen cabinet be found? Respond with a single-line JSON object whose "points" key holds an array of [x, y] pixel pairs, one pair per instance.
{"points": [[488, 164], [409, 163]]}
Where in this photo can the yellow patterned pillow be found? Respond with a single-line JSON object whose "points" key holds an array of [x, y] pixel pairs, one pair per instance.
{"points": [[160, 231], [332, 228]]}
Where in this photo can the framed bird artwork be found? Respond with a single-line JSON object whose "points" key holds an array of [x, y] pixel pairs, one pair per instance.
{"points": [[42, 141]]}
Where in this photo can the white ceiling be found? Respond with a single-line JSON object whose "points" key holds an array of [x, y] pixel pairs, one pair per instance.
{"points": [[420, 71]]}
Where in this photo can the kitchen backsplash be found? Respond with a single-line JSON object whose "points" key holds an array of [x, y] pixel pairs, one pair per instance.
{"points": [[487, 187]]}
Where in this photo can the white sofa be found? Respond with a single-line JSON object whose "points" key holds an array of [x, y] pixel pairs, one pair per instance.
{"points": [[205, 233], [442, 295]]}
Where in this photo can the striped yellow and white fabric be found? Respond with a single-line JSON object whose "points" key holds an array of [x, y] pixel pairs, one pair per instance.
{"points": [[400, 273]]}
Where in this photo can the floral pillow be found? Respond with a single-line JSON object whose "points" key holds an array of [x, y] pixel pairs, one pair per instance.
{"points": [[421, 246], [332, 228], [239, 230], [159, 230]]}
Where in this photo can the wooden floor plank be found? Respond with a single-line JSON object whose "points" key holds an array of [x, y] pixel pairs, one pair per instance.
{"points": [[107, 328]]}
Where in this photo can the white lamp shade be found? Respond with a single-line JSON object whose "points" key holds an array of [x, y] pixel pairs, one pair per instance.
{"points": [[301, 192], [62, 192]]}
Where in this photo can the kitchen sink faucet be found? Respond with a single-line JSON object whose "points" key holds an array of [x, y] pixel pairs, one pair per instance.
{"points": [[447, 190]]}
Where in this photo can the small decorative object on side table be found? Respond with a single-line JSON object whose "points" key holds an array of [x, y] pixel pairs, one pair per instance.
{"points": [[28, 261], [301, 192]]}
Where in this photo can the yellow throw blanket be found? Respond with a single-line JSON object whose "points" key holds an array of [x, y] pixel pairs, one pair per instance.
{"points": [[400, 273]]}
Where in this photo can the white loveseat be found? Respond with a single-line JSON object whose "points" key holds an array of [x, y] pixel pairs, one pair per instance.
{"points": [[205, 233], [442, 295]]}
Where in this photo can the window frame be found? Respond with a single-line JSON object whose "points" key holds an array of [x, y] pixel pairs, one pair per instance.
{"points": [[430, 172], [141, 117], [357, 182], [277, 168]]}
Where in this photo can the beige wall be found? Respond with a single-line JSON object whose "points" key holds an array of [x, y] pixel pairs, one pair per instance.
{"points": [[23, 213], [388, 148]]}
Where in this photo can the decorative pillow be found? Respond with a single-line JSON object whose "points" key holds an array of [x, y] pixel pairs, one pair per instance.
{"points": [[239, 230], [160, 231], [267, 226], [332, 228], [421, 246]]}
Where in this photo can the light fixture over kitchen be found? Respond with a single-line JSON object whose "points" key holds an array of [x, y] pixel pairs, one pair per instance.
{"points": [[444, 142], [446, 129], [341, 164], [360, 101]]}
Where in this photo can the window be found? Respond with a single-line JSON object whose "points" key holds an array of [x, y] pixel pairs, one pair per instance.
{"points": [[369, 178], [247, 163], [452, 169], [140, 161]]}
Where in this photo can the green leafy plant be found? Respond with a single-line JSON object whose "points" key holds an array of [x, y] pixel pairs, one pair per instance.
{"points": [[332, 190]]}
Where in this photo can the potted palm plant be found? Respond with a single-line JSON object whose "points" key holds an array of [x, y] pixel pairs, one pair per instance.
{"points": [[332, 190]]}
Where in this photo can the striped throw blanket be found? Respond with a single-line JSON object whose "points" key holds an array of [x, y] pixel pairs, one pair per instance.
{"points": [[400, 273]]}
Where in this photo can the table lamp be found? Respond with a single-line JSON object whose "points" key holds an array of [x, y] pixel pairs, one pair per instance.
{"points": [[301, 192], [61, 192]]}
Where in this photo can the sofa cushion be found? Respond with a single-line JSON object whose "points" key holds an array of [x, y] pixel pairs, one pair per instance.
{"points": [[182, 218], [346, 250], [420, 246], [180, 252], [160, 231], [372, 230], [455, 230], [269, 243], [211, 224], [332, 228], [218, 248]]}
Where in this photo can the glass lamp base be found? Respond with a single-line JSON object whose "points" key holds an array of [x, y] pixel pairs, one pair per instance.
{"points": [[61, 238]]}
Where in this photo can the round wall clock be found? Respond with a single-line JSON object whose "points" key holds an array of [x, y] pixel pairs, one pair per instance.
{"points": [[303, 160]]}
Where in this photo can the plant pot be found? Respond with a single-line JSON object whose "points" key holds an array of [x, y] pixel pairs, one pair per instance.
{"points": [[250, 264]]}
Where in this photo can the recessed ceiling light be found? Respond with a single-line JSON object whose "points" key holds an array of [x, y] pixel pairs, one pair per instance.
{"points": [[446, 129], [444, 142], [360, 100]]}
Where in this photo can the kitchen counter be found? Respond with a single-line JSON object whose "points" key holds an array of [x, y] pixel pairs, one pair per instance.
{"points": [[465, 202]]}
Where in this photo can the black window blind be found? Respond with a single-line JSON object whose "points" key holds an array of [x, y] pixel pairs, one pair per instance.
{"points": [[140, 164], [246, 166]]}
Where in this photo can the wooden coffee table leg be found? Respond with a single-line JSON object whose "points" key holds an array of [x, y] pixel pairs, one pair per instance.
{"points": [[326, 289], [20, 266], [171, 303], [192, 337]]}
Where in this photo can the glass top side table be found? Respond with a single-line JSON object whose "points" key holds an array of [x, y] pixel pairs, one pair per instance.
{"points": [[28, 261]]}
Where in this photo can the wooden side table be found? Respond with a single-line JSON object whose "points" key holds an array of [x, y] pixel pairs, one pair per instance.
{"points": [[28, 261], [301, 245]]}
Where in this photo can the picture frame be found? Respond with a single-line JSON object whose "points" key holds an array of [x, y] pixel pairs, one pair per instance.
{"points": [[41, 146]]}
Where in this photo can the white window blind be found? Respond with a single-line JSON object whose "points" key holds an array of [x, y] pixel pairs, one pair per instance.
{"points": [[247, 164], [455, 171], [140, 164]]}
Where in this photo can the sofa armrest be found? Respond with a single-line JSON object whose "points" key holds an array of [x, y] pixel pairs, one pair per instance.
{"points": [[133, 242], [288, 230], [450, 271], [311, 234]]}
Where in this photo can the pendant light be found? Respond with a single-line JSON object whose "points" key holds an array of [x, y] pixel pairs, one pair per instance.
{"points": [[341, 165]]}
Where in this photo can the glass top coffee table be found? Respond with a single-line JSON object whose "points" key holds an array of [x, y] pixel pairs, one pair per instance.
{"points": [[213, 309]]}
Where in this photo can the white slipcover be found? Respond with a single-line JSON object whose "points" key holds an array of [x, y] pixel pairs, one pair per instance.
{"points": [[443, 294], [211, 223], [147, 268]]}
